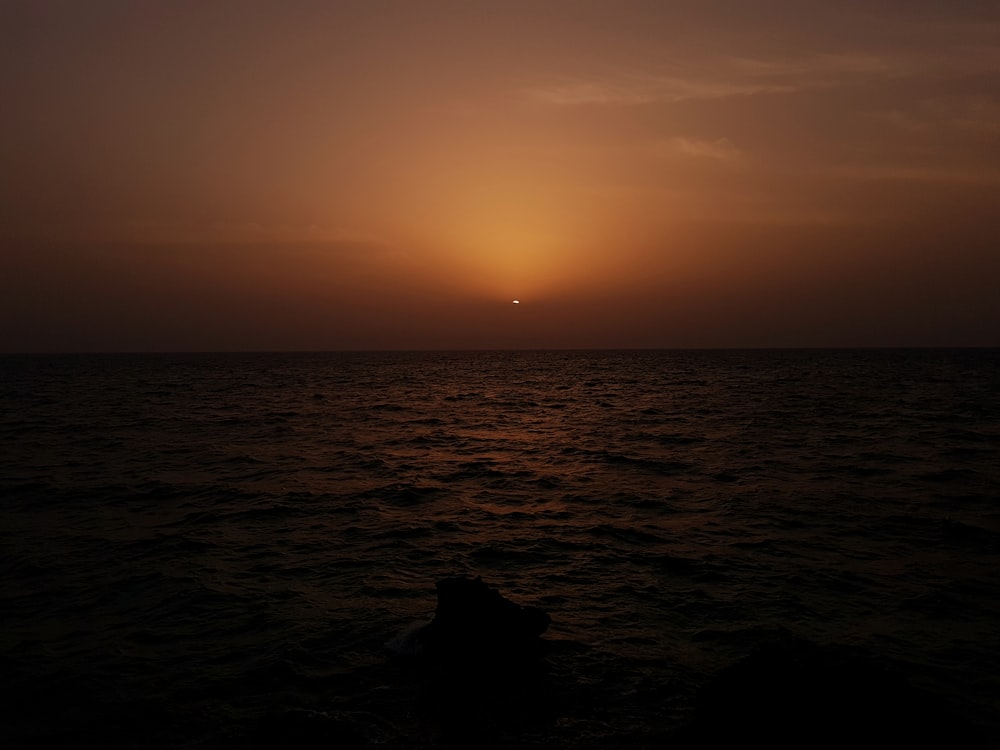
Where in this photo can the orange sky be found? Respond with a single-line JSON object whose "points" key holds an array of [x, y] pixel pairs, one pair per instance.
{"points": [[180, 175]]}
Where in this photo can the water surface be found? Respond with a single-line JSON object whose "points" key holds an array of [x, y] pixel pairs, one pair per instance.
{"points": [[193, 542]]}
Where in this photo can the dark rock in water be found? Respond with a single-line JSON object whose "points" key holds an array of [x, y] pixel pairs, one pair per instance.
{"points": [[799, 694], [474, 621], [303, 729], [481, 666]]}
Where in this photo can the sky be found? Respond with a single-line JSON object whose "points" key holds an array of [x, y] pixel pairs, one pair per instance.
{"points": [[199, 175]]}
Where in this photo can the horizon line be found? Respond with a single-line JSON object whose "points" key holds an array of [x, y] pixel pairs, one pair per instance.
{"points": [[862, 347]]}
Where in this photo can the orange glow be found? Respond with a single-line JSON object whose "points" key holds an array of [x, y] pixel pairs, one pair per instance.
{"points": [[348, 176]]}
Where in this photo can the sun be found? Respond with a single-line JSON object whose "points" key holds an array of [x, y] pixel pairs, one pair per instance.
{"points": [[517, 302]]}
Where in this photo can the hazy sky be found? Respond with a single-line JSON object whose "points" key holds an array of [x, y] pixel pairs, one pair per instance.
{"points": [[299, 174]]}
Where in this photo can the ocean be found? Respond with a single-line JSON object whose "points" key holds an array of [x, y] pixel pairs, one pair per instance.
{"points": [[222, 550]]}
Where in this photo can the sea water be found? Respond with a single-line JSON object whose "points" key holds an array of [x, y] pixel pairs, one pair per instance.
{"points": [[193, 543]]}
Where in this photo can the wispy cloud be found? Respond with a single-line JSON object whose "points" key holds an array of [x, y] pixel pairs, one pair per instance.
{"points": [[720, 149], [634, 90], [230, 232], [720, 76], [976, 115], [905, 173]]}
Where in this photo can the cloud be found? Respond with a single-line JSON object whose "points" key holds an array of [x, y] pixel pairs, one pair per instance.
{"points": [[714, 78], [223, 231], [253, 231], [637, 90], [683, 75], [592, 92], [985, 176], [973, 117], [721, 149]]}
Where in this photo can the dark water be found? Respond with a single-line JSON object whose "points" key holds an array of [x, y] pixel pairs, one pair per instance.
{"points": [[194, 543]]}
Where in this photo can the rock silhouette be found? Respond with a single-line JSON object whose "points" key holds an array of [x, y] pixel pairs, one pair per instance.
{"points": [[796, 694], [474, 623], [481, 662]]}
